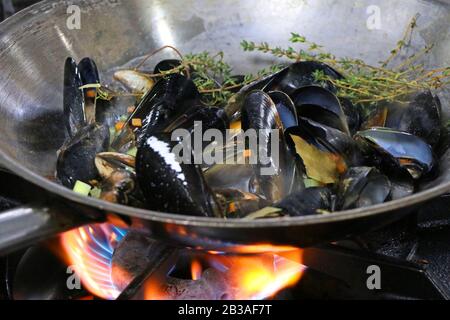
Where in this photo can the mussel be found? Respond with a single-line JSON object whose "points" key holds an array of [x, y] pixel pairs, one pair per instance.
{"points": [[320, 105], [302, 74], [89, 77], [397, 150], [76, 157], [169, 98], [421, 117], [118, 177], [311, 201], [73, 98], [86, 138], [276, 178], [286, 109], [135, 81], [363, 187], [169, 184], [325, 153]]}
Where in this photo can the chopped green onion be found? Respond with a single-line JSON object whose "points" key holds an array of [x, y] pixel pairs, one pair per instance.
{"points": [[132, 152], [311, 183], [96, 192], [82, 188]]}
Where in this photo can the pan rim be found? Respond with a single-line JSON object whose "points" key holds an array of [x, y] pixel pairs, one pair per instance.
{"points": [[179, 219]]}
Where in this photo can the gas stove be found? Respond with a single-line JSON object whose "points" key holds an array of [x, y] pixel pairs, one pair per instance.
{"points": [[407, 260]]}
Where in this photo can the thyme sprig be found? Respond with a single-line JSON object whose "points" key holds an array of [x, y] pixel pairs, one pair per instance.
{"points": [[364, 83]]}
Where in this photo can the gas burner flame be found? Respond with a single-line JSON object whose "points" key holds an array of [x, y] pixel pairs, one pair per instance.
{"points": [[261, 276], [249, 275], [89, 250]]}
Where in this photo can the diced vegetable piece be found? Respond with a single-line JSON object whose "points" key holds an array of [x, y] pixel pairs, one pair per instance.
{"points": [[132, 152], [96, 192], [131, 109], [119, 125], [136, 122], [82, 188]]}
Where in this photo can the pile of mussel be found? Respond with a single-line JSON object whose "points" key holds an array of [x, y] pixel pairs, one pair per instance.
{"points": [[332, 156]]}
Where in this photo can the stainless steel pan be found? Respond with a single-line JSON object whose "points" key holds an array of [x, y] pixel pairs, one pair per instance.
{"points": [[35, 43]]}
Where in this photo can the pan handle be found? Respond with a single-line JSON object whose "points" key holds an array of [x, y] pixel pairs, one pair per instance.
{"points": [[37, 213], [27, 225]]}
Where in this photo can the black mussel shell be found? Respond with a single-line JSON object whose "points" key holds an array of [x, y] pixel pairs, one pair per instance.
{"points": [[166, 65], [73, 98], [421, 117], [169, 98], [402, 187], [238, 204], [260, 113], [232, 176], [363, 187], [168, 183], [235, 103], [89, 75], [397, 150], [286, 109], [76, 159], [353, 115], [311, 201], [320, 105], [335, 141], [301, 74], [89, 71], [209, 117]]}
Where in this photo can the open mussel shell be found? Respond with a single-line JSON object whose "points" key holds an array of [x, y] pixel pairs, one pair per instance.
{"points": [[321, 161], [420, 117], [76, 158], [320, 105], [310, 201], [73, 99], [275, 176], [286, 109], [397, 150], [301, 74], [334, 140], [169, 183], [363, 187], [169, 98]]}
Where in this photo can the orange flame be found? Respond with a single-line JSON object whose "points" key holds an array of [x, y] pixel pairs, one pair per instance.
{"points": [[89, 251], [262, 276], [196, 270]]}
